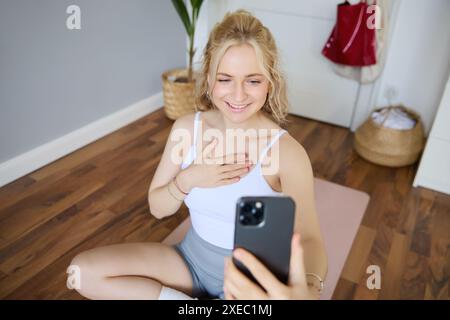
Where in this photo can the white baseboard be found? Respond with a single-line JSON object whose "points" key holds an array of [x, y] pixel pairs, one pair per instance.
{"points": [[27, 162]]}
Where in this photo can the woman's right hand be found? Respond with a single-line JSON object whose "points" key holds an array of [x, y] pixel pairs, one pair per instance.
{"points": [[214, 171]]}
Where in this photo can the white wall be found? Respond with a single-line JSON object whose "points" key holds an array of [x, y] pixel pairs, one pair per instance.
{"points": [[62, 89], [418, 62], [54, 81]]}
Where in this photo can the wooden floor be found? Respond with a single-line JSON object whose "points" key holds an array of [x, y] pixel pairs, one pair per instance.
{"points": [[98, 196]]}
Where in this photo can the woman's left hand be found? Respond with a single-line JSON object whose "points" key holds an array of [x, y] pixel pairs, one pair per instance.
{"points": [[238, 286]]}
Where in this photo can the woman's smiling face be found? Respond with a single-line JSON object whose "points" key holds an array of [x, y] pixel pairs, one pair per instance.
{"points": [[240, 88]]}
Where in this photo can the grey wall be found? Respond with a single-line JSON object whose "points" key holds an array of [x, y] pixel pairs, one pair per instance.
{"points": [[54, 80]]}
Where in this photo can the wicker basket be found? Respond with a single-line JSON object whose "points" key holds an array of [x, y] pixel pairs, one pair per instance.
{"points": [[178, 96], [387, 146]]}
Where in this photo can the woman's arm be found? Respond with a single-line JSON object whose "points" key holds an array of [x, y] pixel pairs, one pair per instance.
{"points": [[164, 197], [297, 181]]}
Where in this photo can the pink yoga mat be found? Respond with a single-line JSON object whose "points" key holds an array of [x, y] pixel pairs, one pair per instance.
{"points": [[340, 210]]}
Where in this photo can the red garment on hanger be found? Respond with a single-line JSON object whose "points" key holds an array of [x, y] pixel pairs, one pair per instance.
{"points": [[352, 42]]}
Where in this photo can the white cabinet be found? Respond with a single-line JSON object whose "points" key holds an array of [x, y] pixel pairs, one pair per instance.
{"points": [[434, 168]]}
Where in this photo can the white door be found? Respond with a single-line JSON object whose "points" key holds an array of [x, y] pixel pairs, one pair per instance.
{"points": [[301, 28], [434, 168]]}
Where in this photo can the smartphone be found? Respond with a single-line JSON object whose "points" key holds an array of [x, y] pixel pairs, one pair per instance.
{"points": [[264, 226]]}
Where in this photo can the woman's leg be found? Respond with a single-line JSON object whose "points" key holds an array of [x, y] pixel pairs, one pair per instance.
{"points": [[131, 271]]}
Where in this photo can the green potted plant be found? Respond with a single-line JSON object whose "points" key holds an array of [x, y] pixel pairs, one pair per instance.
{"points": [[179, 84]]}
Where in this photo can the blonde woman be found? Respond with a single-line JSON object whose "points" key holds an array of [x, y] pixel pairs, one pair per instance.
{"points": [[241, 95]]}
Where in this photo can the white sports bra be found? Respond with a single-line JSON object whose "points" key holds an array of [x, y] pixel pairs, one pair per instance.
{"points": [[212, 210]]}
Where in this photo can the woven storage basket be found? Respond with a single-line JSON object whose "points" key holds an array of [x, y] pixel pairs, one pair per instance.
{"points": [[178, 96], [387, 146]]}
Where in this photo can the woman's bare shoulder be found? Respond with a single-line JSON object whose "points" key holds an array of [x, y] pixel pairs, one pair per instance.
{"points": [[186, 121], [292, 153], [209, 118], [183, 128]]}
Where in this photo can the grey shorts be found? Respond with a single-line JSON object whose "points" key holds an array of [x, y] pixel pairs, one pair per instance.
{"points": [[205, 262]]}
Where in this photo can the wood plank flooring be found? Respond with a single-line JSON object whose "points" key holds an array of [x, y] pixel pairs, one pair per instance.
{"points": [[98, 196]]}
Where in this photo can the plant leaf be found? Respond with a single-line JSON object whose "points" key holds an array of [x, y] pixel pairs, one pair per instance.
{"points": [[182, 12], [196, 5]]}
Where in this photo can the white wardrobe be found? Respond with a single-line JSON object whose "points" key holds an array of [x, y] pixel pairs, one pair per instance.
{"points": [[434, 167]]}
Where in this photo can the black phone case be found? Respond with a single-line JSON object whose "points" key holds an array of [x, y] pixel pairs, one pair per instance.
{"points": [[271, 241]]}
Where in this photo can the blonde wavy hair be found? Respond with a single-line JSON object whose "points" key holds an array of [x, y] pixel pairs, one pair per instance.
{"points": [[236, 28]]}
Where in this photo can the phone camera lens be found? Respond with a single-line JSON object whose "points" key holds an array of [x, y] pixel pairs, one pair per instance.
{"points": [[251, 213], [244, 220]]}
